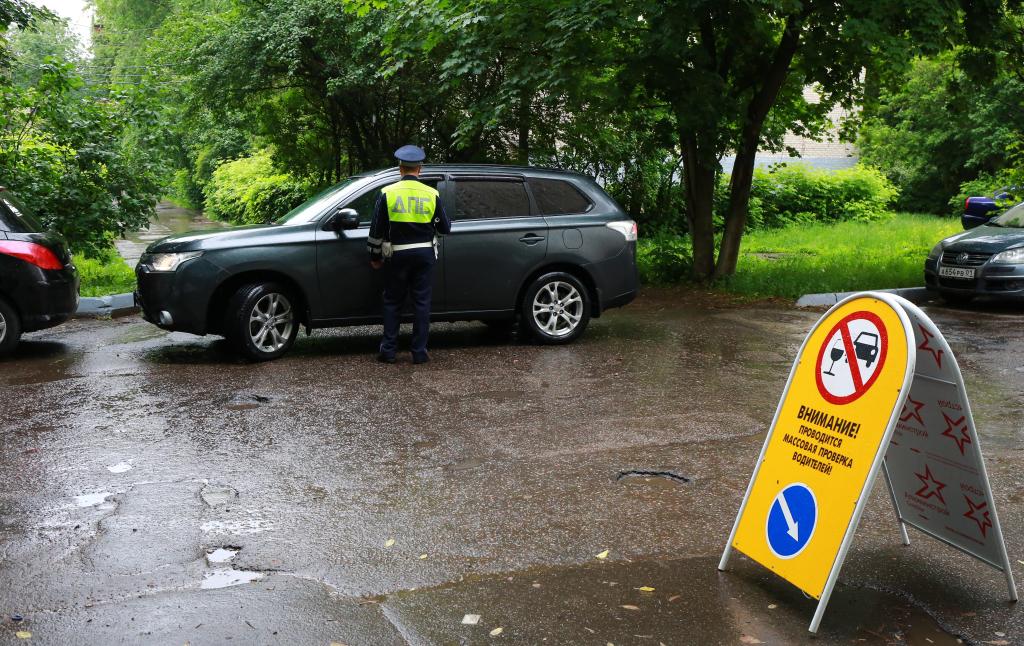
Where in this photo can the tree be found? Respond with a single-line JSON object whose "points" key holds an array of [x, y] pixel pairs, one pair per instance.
{"points": [[87, 163], [730, 73], [22, 14], [939, 126]]}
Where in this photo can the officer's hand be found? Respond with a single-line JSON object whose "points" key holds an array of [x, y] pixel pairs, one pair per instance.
{"points": [[376, 264]]}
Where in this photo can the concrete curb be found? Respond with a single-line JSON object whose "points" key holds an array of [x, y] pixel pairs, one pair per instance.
{"points": [[916, 295], [106, 306]]}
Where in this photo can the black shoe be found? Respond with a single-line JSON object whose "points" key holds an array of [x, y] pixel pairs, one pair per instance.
{"points": [[386, 358], [421, 358]]}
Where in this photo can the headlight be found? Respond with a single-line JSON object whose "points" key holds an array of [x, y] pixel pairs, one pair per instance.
{"points": [[170, 261], [1009, 257], [935, 252]]}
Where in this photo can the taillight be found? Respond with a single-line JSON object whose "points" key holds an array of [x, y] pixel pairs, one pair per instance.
{"points": [[967, 204], [626, 227], [31, 252]]}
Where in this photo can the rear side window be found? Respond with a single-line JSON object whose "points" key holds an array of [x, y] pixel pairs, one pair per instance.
{"points": [[15, 218], [556, 197], [477, 199]]}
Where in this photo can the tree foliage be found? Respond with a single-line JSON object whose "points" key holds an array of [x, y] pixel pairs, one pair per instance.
{"points": [[646, 95], [940, 127], [88, 163]]}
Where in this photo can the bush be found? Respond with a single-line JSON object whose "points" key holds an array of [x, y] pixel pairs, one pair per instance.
{"points": [[794, 193], [664, 259], [105, 274], [250, 191], [986, 185], [184, 191]]}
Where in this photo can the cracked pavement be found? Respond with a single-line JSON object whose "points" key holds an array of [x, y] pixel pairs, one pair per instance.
{"points": [[158, 491]]}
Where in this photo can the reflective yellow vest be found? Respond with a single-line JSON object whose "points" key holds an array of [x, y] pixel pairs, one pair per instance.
{"points": [[410, 201]]}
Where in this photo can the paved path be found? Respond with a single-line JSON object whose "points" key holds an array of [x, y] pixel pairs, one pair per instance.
{"points": [[158, 491], [168, 220]]}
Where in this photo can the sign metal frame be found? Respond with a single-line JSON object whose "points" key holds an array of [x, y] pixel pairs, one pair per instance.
{"points": [[905, 310], [943, 346]]}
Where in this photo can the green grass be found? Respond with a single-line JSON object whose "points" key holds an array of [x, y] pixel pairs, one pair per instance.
{"points": [[812, 258], [848, 256], [103, 276]]}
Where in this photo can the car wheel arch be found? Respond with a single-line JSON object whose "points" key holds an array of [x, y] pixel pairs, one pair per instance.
{"points": [[13, 305], [575, 270], [225, 290]]}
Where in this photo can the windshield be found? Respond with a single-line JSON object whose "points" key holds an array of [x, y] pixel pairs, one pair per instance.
{"points": [[24, 221], [1012, 218], [316, 204]]}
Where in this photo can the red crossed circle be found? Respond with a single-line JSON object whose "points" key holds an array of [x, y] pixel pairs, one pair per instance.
{"points": [[859, 385]]}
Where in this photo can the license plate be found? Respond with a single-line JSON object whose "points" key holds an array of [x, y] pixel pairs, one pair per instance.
{"points": [[956, 272]]}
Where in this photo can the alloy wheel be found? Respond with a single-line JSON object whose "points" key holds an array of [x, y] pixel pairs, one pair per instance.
{"points": [[557, 308], [3, 327], [270, 322]]}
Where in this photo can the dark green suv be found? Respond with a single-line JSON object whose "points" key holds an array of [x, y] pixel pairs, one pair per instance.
{"points": [[547, 246]]}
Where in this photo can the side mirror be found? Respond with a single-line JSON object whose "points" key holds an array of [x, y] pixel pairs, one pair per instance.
{"points": [[342, 219]]}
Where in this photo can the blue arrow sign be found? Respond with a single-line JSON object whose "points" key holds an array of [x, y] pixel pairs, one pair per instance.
{"points": [[791, 520]]}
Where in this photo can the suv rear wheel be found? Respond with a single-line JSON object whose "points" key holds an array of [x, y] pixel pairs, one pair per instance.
{"points": [[556, 308], [10, 328], [260, 321]]}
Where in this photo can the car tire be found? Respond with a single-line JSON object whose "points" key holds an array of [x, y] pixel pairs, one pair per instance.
{"points": [[957, 299], [261, 321], [556, 308], [10, 328]]}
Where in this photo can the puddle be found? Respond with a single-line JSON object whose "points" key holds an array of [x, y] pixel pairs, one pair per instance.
{"points": [[120, 467], [139, 333], [227, 578], [467, 464], [214, 495], [91, 499], [222, 555], [246, 401]]}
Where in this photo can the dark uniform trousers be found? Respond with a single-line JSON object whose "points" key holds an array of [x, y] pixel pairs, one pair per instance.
{"points": [[409, 270]]}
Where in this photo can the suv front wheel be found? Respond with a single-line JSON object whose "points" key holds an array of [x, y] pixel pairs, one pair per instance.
{"points": [[556, 308], [10, 328], [261, 322]]}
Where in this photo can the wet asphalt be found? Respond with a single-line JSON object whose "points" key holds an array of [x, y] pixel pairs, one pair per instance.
{"points": [[156, 490]]}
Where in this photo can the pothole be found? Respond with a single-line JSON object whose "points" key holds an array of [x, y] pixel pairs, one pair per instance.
{"points": [[216, 579], [222, 554], [92, 499], [214, 495], [245, 401], [648, 475]]}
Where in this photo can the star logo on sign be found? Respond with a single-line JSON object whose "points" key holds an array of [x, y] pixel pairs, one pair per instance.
{"points": [[908, 414], [925, 345], [957, 430], [932, 487], [979, 514]]}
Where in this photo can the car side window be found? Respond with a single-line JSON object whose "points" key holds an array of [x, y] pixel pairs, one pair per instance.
{"points": [[478, 199], [557, 197], [365, 202]]}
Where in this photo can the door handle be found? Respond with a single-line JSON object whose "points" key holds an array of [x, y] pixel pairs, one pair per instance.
{"points": [[531, 239]]}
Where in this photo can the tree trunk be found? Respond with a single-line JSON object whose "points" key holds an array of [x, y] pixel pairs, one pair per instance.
{"points": [[523, 149], [743, 170], [739, 203], [699, 173]]}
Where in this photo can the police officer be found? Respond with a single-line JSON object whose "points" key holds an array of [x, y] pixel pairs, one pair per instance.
{"points": [[406, 221]]}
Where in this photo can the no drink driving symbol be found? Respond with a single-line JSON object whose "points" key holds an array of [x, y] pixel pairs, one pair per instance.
{"points": [[851, 358]]}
